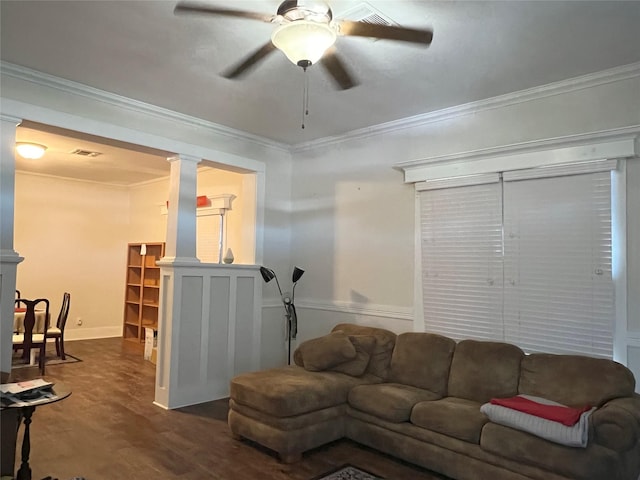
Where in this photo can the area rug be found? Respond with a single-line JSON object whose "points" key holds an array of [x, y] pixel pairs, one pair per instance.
{"points": [[347, 472], [53, 359]]}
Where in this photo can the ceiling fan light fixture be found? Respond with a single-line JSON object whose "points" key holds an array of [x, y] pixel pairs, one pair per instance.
{"points": [[303, 42], [32, 151]]}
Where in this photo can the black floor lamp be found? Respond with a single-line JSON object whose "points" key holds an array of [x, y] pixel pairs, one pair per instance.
{"points": [[287, 301]]}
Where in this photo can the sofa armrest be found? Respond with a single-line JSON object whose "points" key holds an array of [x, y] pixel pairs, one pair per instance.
{"points": [[616, 425]]}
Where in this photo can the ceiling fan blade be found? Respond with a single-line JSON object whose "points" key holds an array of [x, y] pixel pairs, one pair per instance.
{"points": [[251, 61], [338, 71], [388, 32], [187, 7]]}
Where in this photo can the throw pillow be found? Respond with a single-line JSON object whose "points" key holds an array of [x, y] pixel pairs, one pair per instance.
{"points": [[325, 352], [364, 345]]}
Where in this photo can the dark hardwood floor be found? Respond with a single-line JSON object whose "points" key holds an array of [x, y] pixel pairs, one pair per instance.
{"points": [[109, 429]]}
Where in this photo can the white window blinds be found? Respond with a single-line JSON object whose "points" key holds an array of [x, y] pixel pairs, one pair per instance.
{"points": [[462, 259], [558, 294], [545, 284], [208, 238]]}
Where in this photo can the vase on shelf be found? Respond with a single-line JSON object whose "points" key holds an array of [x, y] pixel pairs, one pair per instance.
{"points": [[228, 257]]}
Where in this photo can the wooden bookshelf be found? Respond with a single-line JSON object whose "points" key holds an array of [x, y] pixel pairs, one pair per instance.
{"points": [[142, 290]]}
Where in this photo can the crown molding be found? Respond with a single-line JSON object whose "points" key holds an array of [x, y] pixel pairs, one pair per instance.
{"points": [[10, 119], [104, 184], [79, 89], [57, 178], [557, 88]]}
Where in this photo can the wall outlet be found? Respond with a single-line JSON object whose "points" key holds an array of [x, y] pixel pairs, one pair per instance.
{"points": [[79, 321]]}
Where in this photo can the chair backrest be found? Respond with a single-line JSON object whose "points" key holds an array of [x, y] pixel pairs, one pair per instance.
{"points": [[30, 316], [64, 311], [17, 293]]}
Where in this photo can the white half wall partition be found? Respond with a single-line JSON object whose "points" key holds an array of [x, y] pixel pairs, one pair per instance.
{"points": [[209, 330], [209, 325]]}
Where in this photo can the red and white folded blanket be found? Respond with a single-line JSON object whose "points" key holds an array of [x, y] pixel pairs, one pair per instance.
{"points": [[534, 416], [556, 412]]}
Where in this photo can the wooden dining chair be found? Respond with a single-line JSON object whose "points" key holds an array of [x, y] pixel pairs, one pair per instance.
{"points": [[28, 339], [57, 332]]}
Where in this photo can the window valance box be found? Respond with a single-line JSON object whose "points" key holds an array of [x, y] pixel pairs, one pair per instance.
{"points": [[611, 144]]}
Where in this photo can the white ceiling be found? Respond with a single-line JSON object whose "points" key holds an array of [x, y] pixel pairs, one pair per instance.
{"points": [[116, 164], [481, 49]]}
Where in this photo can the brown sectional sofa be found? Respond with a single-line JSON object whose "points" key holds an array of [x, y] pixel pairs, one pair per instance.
{"points": [[419, 399]]}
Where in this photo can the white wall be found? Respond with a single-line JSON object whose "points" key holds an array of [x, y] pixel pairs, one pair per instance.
{"points": [[71, 235], [147, 225], [277, 256], [353, 217], [353, 234]]}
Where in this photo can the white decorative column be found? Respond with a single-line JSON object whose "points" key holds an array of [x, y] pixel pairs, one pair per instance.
{"points": [[180, 249], [181, 222], [9, 258]]}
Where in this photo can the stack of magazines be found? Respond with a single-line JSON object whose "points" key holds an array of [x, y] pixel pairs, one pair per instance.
{"points": [[24, 394]]}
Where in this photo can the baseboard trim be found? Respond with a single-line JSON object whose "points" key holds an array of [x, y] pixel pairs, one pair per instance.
{"points": [[92, 333]]}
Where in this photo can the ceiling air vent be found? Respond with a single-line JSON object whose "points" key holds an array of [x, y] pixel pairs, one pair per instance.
{"points": [[84, 153], [366, 13]]}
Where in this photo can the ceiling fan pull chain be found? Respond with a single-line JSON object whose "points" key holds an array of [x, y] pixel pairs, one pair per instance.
{"points": [[305, 96], [306, 93]]}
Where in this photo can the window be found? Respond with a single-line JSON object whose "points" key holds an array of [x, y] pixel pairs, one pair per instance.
{"points": [[524, 259]]}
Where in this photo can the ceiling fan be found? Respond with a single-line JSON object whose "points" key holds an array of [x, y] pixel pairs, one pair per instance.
{"points": [[304, 31]]}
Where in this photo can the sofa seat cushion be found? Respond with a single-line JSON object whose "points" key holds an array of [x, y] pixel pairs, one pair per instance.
{"points": [[592, 462], [291, 423], [292, 390], [390, 401], [454, 417]]}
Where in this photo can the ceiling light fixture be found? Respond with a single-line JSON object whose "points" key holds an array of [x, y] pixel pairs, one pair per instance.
{"points": [[31, 151], [303, 41]]}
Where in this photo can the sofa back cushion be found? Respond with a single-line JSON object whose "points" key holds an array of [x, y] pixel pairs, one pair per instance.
{"points": [[380, 357], [422, 360], [481, 371], [575, 380]]}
